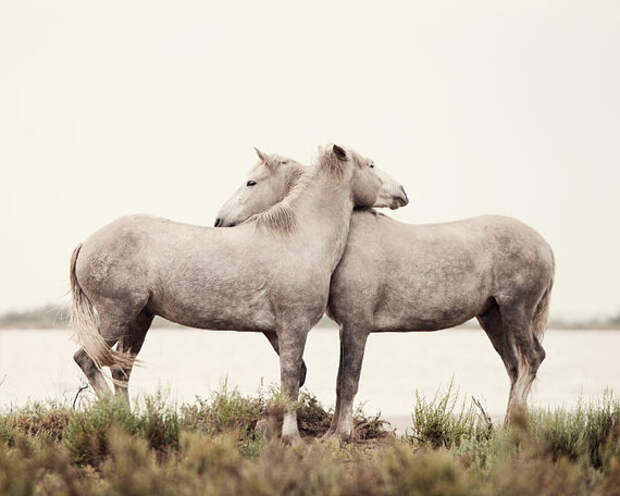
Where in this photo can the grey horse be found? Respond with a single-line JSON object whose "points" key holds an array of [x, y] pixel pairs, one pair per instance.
{"points": [[397, 277], [269, 275]]}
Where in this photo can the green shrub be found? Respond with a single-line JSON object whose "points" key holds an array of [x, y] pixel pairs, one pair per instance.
{"points": [[38, 466], [87, 431], [425, 473], [158, 423], [226, 410], [585, 433], [42, 420], [132, 469], [86, 434], [312, 417], [7, 430], [438, 423], [527, 475]]}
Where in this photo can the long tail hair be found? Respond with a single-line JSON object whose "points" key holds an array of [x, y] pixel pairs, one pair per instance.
{"points": [[541, 315], [84, 324]]}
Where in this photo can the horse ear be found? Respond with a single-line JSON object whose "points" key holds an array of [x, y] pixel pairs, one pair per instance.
{"points": [[339, 152], [261, 155]]}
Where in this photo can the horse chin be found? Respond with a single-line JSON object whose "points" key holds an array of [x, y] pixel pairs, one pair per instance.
{"points": [[392, 203]]}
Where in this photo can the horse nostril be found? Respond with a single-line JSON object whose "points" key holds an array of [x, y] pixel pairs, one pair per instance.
{"points": [[218, 222], [405, 199]]}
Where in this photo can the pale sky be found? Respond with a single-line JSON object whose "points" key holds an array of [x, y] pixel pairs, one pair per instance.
{"points": [[112, 108]]}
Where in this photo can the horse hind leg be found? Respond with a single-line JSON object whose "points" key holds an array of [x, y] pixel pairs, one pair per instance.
{"points": [[115, 319], [92, 372], [491, 322], [518, 321], [130, 343], [532, 355]]}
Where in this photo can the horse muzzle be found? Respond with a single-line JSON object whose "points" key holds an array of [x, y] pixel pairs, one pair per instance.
{"points": [[400, 199], [221, 222]]}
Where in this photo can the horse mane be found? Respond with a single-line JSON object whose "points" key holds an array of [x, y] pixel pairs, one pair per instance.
{"points": [[332, 164], [281, 218]]}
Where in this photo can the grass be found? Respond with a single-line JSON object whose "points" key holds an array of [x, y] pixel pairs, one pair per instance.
{"points": [[219, 445], [442, 423]]}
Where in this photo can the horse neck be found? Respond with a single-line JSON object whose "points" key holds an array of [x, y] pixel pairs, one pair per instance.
{"points": [[323, 215]]}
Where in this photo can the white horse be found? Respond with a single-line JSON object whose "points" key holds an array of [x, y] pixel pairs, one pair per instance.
{"points": [[406, 278], [270, 275]]}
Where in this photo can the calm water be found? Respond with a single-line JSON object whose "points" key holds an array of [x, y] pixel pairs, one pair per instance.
{"points": [[37, 365]]}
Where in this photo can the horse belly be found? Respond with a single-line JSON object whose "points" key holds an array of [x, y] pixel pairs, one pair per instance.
{"points": [[431, 308], [215, 306]]}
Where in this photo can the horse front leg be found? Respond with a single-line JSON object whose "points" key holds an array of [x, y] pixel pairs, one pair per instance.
{"points": [[272, 337], [291, 343], [352, 345]]}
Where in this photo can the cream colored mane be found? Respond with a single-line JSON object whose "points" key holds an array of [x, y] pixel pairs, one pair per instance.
{"points": [[281, 217]]}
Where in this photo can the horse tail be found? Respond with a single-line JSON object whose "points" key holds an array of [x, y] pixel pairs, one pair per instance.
{"points": [[84, 324], [541, 314]]}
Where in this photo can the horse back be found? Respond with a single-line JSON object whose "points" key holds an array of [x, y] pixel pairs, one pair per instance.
{"points": [[397, 276]]}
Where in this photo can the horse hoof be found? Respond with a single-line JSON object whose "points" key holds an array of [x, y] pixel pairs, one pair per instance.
{"points": [[292, 439], [332, 436]]}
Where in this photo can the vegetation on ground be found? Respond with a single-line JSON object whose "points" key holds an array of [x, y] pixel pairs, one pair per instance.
{"points": [[219, 445]]}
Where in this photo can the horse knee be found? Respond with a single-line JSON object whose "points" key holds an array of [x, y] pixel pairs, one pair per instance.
{"points": [[121, 376], [512, 367], [349, 387], [80, 356], [86, 363], [535, 357]]}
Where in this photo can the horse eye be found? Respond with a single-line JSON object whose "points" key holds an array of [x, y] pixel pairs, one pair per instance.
{"points": [[251, 183], [284, 162], [372, 165]]}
